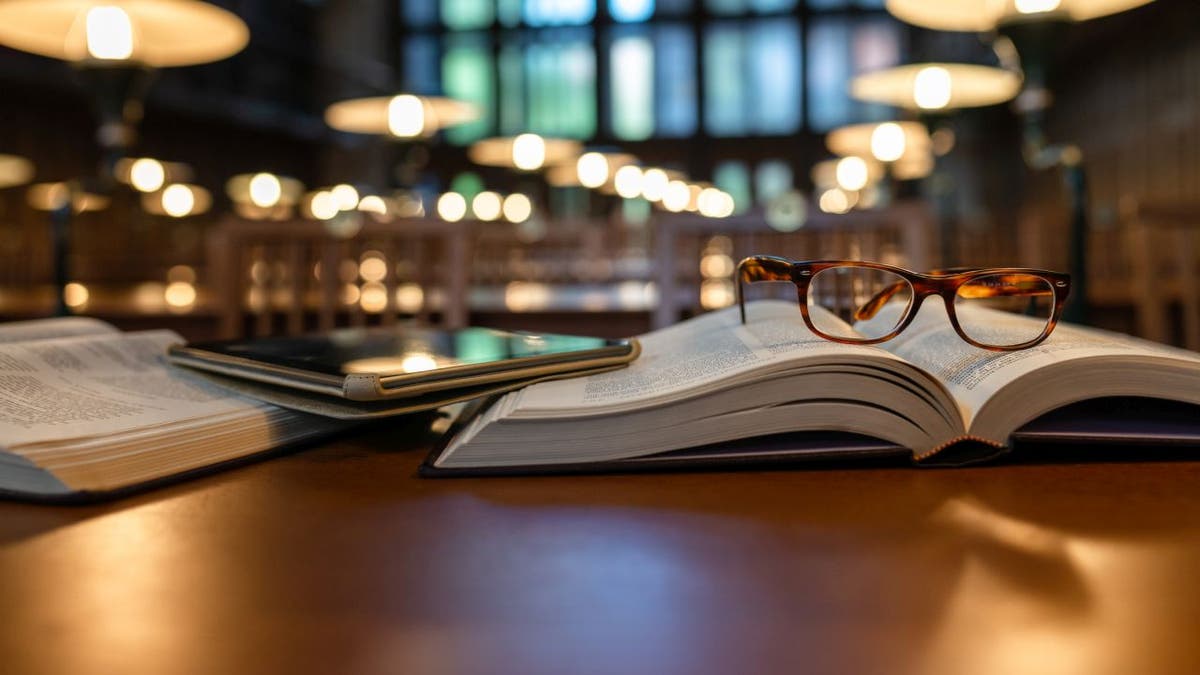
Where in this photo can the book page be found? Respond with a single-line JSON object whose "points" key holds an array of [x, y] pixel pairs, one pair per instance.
{"points": [[974, 375], [688, 357], [78, 387], [45, 329]]}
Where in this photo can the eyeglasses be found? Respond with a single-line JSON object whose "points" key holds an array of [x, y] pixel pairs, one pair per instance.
{"points": [[853, 302]]}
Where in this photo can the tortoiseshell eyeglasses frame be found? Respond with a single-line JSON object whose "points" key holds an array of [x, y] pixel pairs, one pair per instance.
{"points": [[943, 283]]}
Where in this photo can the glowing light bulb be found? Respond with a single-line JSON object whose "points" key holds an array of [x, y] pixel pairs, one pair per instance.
{"points": [[932, 88], [147, 175], [323, 206], [1037, 6], [628, 181], [887, 142], [529, 152], [179, 294], [109, 33], [715, 203], [265, 190], [452, 207], [373, 204], [852, 173], [834, 200], [178, 200], [75, 294], [654, 184], [676, 196], [345, 196], [517, 208], [486, 205], [592, 169], [406, 116]]}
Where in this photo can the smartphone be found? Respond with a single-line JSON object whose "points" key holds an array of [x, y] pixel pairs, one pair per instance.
{"points": [[374, 364]]}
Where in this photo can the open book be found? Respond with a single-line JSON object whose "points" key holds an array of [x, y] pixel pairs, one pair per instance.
{"points": [[704, 386], [86, 409]]}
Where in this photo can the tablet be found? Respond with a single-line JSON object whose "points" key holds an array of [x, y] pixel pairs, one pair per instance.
{"points": [[375, 364]]}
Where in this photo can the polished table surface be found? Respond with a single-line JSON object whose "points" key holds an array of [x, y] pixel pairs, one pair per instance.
{"points": [[338, 559]]}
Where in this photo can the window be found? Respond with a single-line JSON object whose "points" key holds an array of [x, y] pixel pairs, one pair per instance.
{"points": [[840, 48], [753, 78]]}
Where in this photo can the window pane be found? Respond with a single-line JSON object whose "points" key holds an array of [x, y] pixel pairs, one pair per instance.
{"points": [[467, 75], [772, 6], [631, 61], [467, 14], [775, 63], [512, 90], [842, 47], [675, 81], [630, 11], [726, 7], [508, 13], [559, 12], [561, 80], [724, 90], [419, 13], [771, 179], [420, 72]]}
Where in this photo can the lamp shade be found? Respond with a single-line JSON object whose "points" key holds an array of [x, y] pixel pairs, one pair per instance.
{"points": [[401, 116], [984, 15], [526, 152], [158, 33], [14, 170], [937, 86], [885, 141]]}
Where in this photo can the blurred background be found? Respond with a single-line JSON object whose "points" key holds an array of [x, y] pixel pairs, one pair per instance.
{"points": [[253, 167]]}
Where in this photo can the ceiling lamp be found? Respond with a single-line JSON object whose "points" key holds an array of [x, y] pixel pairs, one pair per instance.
{"points": [[984, 15], [178, 200], [595, 169], [14, 170], [885, 141], [937, 86], [401, 116], [526, 152], [155, 33], [265, 196], [146, 174]]}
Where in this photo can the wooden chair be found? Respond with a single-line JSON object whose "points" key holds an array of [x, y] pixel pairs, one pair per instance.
{"points": [[903, 234], [1164, 264], [289, 277]]}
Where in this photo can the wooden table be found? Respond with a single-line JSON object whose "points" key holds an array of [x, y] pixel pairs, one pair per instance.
{"points": [[338, 559]]}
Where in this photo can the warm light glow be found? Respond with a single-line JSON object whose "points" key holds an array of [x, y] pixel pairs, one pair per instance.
{"points": [[179, 294], [373, 204], [676, 196], [713, 203], [323, 206], [887, 142], [406, 116], [109, 33], [182, 273], [409, 298], [834, 200], [716, 293], [1036, 6], [452, 207], [932, 88], [528, 152], [628, 181], [373, 269], [592, 169], [486, 205], [14, 170], [654, 184], [345, 196], [716, 265], [517, 208], [852, 173], [416, 363], [75, 294], [525, 296], [265, 190], [178, 200], [350, 294], [147, 175], [373, 297]]}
